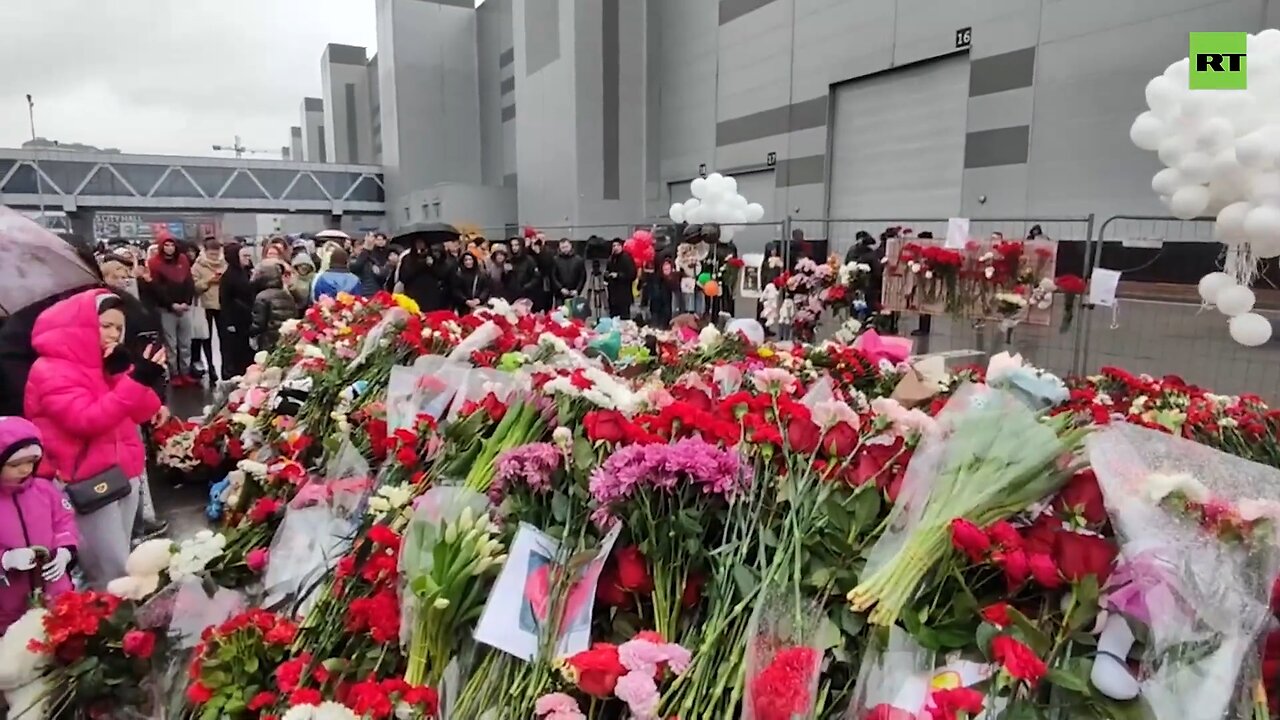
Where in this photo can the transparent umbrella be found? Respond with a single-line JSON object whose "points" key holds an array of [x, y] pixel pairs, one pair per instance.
{"points": [[35, 263]]}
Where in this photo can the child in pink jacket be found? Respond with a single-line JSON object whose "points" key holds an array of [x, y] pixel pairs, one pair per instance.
{"points": [[37, 527]]}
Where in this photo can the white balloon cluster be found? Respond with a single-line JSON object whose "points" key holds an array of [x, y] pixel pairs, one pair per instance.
{"points": [[1221, 151], [716, 200]]}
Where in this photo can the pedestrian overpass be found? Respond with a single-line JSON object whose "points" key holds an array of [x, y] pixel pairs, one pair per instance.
{"points": [[87, 181]]}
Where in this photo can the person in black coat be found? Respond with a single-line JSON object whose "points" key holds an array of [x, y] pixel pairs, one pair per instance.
{"points": [[420, 279], [236, 296], [620, 278], [568, 274], [524, 280], [470, 284], [546, 262]]}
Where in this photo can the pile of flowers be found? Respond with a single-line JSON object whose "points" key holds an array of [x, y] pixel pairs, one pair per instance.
{"points": [[440, 516]]}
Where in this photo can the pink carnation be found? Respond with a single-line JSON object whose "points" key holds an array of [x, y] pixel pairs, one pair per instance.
{"points": [[558, 706], [640, 693]]}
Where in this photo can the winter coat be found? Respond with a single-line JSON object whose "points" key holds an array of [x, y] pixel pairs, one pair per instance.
{"points": [[89, 419], [334, 281], [168, 291], [525, 279], [470, 285], [300, 288], [568, 272], [273, 306], [207, 273], [32, 513], [235, 296], [372, 268], [16, 353]]}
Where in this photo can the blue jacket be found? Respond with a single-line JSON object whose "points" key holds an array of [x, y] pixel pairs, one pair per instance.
{"points": [[332, 282]]}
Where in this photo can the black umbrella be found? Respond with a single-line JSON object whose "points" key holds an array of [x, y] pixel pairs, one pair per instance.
{"points": [[432, 233]]}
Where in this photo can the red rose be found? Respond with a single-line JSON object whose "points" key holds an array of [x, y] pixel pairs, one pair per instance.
{"points": [[997, 614], [263, 510], [1018, 659], [841, 440], [256, 560], [1079, 556], [1082, 498], [969, 539], [597, 670], [1044, 570], [198, 694], [139, 644], [1005, 535], [1039, 538], [692, 594], [608, 592], [607, 426], [633, 571], [1275, 596], [1016, 567], [803, 435]]}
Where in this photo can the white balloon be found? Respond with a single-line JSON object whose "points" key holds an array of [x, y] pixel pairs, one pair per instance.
{"points": [[1230, 225], [1250, 329], [1179, 73], [1196, 167], [1265, 188], [1172, 148], [727, 232], [1245, 115], [1163, 95], [755, 211], [1224, 168], [1235, 300], [1266, 249], [1147, 131], [749, 327], [690, 205], [676, 213], [1255, 149], [1212, 284], [740, 202], [1262, 223], [730, 185], [698, 187], [1167, 181], [1189, 202], [1215, 134]]}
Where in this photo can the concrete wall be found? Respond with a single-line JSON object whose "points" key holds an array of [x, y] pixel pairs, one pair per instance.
{"points": [[479, 205], [495, 61], [313, 131], [428, 95], [295, 144], [375, 110], [347, 108]]}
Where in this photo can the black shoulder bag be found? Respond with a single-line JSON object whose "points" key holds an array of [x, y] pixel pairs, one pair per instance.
{"points": [[92, 494]]}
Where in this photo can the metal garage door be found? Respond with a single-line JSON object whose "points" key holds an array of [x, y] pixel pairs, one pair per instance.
{"points": [[759, 187], [898, 145]]}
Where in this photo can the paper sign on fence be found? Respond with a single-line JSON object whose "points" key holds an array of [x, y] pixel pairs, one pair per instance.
{"points": [[957, 232], [1103, 284]]}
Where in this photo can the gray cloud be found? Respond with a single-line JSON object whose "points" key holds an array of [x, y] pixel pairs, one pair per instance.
{"points": [[168, 76]]}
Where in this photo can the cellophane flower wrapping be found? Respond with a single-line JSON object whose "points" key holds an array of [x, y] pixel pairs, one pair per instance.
{"points": [[898, 676], [317, 529], [993, 412], [479, 383], [783, 659], [1205, 585], [425, 388], [391, 319]]}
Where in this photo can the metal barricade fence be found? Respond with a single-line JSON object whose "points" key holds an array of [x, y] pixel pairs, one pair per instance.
{"points": [[1161, 328], [1045, 346]]}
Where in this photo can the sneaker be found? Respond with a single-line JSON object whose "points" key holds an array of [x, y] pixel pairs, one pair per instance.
{"points": [[149, 529]]}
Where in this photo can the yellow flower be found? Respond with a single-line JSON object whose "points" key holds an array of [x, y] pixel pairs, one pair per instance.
{"points": [[345, 297], [765, 352], [406, 303]]}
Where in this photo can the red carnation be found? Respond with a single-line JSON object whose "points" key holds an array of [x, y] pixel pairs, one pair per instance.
{"points": [[139, 644], [947, 704], [1018, 659], [199, 694], [1071, 284], [261, 701], [597, 670], [633, 571], [263, 510], [997, 614], [969, 539], [305, 696], [783, 689]]}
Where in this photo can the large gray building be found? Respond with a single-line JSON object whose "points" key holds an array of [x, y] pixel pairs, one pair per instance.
{"points": [[602, 111], [348, 125], [313, 132]]}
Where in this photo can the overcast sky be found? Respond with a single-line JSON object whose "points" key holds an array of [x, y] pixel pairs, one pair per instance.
{"points": [[168, 76]]}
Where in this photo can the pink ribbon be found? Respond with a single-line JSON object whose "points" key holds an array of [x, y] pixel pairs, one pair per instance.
{"points": [[879, 347]]}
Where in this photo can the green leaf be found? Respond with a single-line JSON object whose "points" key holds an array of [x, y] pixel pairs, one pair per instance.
{"points": [[745, 580], [1033, 636], [583, 456], [985, 634], [866, 508], [1067, 680], [952, 637], [828, 634], [251, 664], [560, 507], [1118, 710]]}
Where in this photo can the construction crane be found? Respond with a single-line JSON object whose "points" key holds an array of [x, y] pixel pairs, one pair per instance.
{"points": [[239, 149]]}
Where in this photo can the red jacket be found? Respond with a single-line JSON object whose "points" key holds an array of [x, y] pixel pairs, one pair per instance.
{"points": [[89, 420]]}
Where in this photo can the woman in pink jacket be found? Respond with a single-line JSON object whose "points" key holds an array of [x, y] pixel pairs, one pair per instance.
{"points": [[88, 397], [37, 527]]}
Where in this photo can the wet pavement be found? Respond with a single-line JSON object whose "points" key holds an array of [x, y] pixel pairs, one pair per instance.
{"points": [[183, 506]]}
